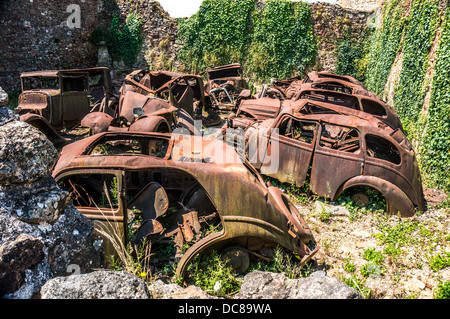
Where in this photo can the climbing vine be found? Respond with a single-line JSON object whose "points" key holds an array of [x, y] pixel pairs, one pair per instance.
{"points": [[384, 44], [125, 41], [408, 30], [351, 56], [219, 33], [436, 154], [283, 43], [419, 35], [273, 39]]}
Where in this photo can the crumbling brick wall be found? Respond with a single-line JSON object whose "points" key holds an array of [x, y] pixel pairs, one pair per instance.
{"points": [[159, 34], [330, 22], [360, 5], [34, 35]]}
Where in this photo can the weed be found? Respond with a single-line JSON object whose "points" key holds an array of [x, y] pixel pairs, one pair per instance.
{"points": [[376, 257], [358, 284], [324, 215], [349, 266], [372, 270], [439, 261], [442, 291], [213, 275]]}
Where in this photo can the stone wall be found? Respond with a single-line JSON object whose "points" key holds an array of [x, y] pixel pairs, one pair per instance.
{"points": [[159, 32], [330, 23], [360, 5], [35, 35]]}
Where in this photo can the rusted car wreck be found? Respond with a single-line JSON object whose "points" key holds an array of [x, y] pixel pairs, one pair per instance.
{"points": [[224, 85], [340, 94], [184, 196], [156, 101], [330, 131], [56, 99], [339, 153]]}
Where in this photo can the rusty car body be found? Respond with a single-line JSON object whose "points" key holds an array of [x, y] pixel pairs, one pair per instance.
{"points": [[181, 192], [315, 102], [323, 80], [224, 85], [363, 103], [55, 99], [315, 76], [341, 152], [155, 101]]}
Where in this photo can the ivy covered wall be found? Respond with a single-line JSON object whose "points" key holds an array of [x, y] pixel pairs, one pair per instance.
{"points": [[407, 63], [273, 38]]}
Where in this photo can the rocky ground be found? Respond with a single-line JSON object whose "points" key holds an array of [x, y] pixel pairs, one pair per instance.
{"points": [[383, 257]]}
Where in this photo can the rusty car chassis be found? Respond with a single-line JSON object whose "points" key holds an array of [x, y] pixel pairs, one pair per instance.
{"points": [[55, 99], [180, 196], [338, 153], [155, 101]]}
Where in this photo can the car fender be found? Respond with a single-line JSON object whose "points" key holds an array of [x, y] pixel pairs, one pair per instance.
{"points": [[151, 124], [98, 122], [44, 126], [396, 200]]}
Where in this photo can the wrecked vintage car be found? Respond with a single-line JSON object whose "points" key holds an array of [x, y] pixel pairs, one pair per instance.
{"points": [[315, 76], [156, 101], [315, 102], [224, 85], [324, 80], [53, 100], [339, 153], [374, 106], [184, 193]]}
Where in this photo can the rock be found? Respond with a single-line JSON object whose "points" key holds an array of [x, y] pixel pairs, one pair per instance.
{"points": [[41, 202], [96, 285], [161, 290], [15, 257], [319, 286], [6, 115], [3, 97], [330, 209], [266, 285], [42, 235], [73, 242], [69, 244], [26, 155]]}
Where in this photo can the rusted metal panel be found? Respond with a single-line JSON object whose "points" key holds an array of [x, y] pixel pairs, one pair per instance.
{"points": [[224, 85]]}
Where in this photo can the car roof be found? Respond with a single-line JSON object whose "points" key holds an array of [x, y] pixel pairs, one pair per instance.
{"points": [[55, 73], [72, 155], [368, 124], [224, 67]]}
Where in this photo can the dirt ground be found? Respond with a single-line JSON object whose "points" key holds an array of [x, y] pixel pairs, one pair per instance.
{"points": [[406, 249]]}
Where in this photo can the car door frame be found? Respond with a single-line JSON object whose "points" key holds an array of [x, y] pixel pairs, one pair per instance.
{"points": [[325, 181], [294, 156], [106, 218]]}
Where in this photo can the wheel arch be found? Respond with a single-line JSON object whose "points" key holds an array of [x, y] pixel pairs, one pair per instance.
{"points": [[396, 200]]}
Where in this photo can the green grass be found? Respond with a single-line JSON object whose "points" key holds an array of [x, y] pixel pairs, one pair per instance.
{"points": [[213, 275], [442, 291]]}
